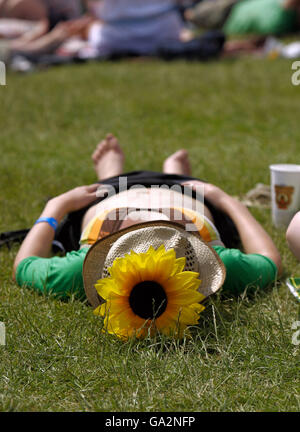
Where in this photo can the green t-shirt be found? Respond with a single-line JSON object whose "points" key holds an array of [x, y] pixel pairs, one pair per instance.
{"points": [[260, 17], [62, 276]]}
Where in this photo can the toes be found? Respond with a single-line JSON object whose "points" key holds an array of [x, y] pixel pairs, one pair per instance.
{"points": [[113, 142], [103, 145], [115, 145], [109, 143], [100, 149], [178, 163], [111, 139], [95, 155], [181, 154]]}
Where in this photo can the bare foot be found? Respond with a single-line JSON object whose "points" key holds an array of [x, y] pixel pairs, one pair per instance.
{"points": [[108, 158], [178, 163]]}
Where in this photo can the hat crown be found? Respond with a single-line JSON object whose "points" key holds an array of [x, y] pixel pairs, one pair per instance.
{"points": [[140, 241]]}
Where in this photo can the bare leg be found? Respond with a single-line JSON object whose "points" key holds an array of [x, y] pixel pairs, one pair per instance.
{"points": [[178, 163], [108, 158], [249, 46]]}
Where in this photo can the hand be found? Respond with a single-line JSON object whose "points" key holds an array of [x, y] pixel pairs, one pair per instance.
{"points": [[212, 193], [75, 199], [77, 27]]}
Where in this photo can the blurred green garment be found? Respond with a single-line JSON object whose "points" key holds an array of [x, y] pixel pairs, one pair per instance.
{"points": [[262, 17]]}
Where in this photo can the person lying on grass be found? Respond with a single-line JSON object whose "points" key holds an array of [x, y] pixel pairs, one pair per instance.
{"points": [[145, 257]]}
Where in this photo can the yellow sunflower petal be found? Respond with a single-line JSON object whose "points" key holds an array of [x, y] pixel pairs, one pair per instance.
{"points": [[179, 266], [182, 282], [189, 316], [164, 268], [107, 288], [185, 297], [127, 324], [169, 326]]}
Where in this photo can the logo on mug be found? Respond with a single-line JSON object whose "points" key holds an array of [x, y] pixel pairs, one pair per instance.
{"points": [[284, 196]]}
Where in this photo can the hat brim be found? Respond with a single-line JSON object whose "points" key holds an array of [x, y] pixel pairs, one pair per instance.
{"points": [[212, 269]]}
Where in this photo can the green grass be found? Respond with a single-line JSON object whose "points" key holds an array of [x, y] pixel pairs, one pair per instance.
{"points": [[235, 118]]}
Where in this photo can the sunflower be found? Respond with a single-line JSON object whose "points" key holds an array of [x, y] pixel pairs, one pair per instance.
{"points": [[148, 293]]}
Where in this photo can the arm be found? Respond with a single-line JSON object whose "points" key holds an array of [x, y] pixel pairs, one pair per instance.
{"points": [[39, 30], [293, 235], [49, 42], [254, 238], [39, 240]]}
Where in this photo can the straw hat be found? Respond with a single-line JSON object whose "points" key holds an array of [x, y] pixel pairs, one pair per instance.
{"points": [[200, 257]]}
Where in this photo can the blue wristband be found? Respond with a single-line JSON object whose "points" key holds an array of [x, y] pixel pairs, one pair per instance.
{"points": [[51, 221]]}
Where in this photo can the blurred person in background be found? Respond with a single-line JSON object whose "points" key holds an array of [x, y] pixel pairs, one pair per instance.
{"points": [[134, 26], [263, 17], [258, 19], [36, 26], [150, 27], [261, 20], [237, 17], [114, 28]]}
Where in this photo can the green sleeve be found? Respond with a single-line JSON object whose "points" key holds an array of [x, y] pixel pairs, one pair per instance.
{"points": [[249, 16], [246, 271], [59, 276]]}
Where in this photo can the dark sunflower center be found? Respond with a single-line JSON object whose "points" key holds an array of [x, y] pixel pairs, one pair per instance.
{"points": [[148, 299]]}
